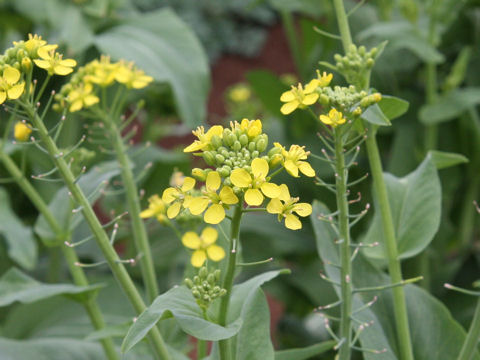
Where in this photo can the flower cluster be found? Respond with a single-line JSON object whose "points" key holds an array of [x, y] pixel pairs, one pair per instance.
{"points": [[356, 63], [240, 171], [205, 288], [80, 91], [204, 246]]}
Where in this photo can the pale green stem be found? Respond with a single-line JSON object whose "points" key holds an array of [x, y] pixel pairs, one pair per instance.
{"points": [[77, 273], [224, 345], [345, 253], [140, 237], [99, 233], [400, 307], [470, 345]]}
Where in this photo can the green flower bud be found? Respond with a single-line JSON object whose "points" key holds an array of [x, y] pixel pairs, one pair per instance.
{"points": [[216, 141], [203, 272], [207, 298], [370, 63], [274, 151], [252, 146], [199, 174], [211, 279], [188, 282], [337, 57], [205, 285], [231, 138], [229, 162], [217, 274], [208, 157], [324, 100], [196, 294], [219, 159], [196, 280], [227, 182], [261, 145], [255, 154], [243, 139], [223, 292], [237, 145], [224, 171]]}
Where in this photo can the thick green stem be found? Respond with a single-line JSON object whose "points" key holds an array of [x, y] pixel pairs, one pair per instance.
{"points": [[99, 233], [345, 253], [77, 273], [469, 346], [139, 233], [400, 307], [225, 351], [293, 42]]}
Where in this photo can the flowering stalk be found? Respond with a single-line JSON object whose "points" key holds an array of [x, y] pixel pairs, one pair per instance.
{"points": [[101, 237], [400, 307], [76, 272]]}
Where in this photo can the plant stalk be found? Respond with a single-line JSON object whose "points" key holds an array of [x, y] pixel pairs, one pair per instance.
{"points": [[99, 233], [473, 336], [293, 42], [224, 346], [77, 273], [394, 267], [139, 233], [345, 254]]}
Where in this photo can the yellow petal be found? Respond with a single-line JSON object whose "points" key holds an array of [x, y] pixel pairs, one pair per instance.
{"points": [[240, 178], [291, 168], [289, 107], [191, 240], [91, 100], [213, 181], [44, 51], [326, 120], [169, 195], [227, 196], [287, 96], [209, 236], [310, 99], [311, 86], [303, 209], [253, 197], [76, 105], [215, 214], [11, 75], [260, 168], [188, 184], [147, 213], [44, 64], [214, 130], [306, 168], [173, 210], [270, 189], [195, 146], [284, 193], [68, 62], [62, 70], [275, 206], [292, 222], [198, 258], [16, 91], [197, 205], [3, 96], [215, 252]]}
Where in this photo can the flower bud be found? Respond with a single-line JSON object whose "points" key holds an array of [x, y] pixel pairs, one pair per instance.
{"points": [[223, 292], [211, 279], [199, 174], [252, 146], [216, 141], [196, 294], [237, 145], [230, 138], [219, 159], [224, 171], [255, 154], [208, 157], [243, 139], [21, 131], [196, 280], [188, 282], [261, 145], [203, 272]]}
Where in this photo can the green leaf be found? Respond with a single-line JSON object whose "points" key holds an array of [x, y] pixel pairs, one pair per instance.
{"points": [[306, 7], [119, 330], [17, 286], [179, 303], [375, 115], [22, 247], [415, 202], [268, 88], [449, 106], [393, 107], [50, 349], [164, 47], [306, 352], [443, 159], [61, 204], [376, 337]]}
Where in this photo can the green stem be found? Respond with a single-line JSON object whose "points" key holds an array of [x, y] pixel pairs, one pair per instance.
{"points": [[469, 346], [400, 307], [225, 351], [293, 42], [54, 265], [345, 254], [77, 273], [138, 227], [99, 233], [431, 131], [202, 344]]}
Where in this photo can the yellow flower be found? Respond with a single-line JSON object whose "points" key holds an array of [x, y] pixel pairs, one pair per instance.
{"points": [[132, 77], [292, 160], [216, 212], [253, 128], [81, 97], [22, 131], [177, 196], [324, 79], [334, 118], [9, 89], [240, 93], [156, 207], [203, 138], [255, 183], [32, 44], [53, 62], [299, 97], [204, 246], [102, 72], [285, 206]]}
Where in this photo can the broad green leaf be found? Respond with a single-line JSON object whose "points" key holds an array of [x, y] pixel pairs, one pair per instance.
{"points": [[179, 303], [119, 330], [306, 352], [393, 107], [449, 106], [61, 204], [415, 202], [307, 7], [165, 48], [268, 88], [375, 115], [22, 247], [443, 159], [376, 337], [17, 286]]}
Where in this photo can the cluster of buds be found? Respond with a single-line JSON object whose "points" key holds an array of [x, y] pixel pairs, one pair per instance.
{"points": [[356, 63], [205, 288]]}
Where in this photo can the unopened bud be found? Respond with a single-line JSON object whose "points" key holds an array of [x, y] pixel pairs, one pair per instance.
{"points": [[243, 139], [208, 157], [188, 282], [199, 174], [216, 141]]}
